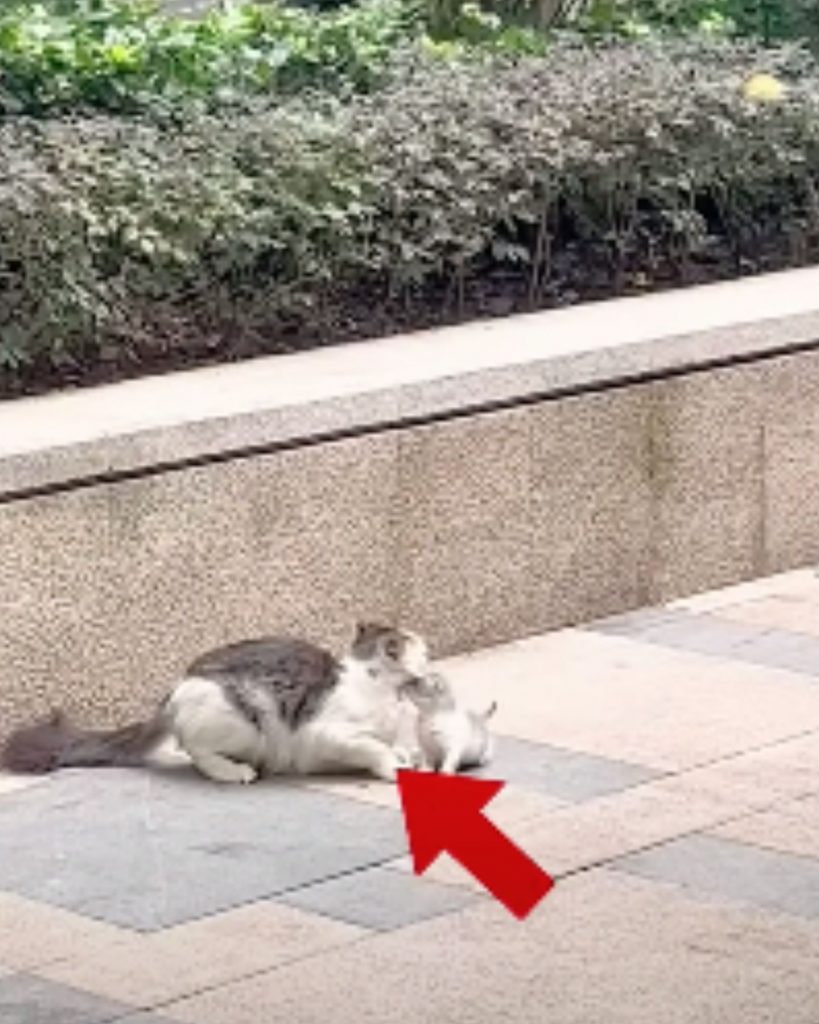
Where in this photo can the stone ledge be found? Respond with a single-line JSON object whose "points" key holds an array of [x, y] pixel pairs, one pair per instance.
{"points": [[125, 428]]}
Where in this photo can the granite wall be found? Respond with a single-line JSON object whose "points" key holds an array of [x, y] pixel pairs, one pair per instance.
{"points": [[474, 529]]}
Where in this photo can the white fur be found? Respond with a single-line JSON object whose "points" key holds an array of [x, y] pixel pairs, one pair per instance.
{"points": [[219, 740], [451, 737], [361, 726]]}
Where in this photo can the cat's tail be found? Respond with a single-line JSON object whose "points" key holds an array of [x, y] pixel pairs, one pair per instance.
{"points": [[493, 707], [55, 743]]}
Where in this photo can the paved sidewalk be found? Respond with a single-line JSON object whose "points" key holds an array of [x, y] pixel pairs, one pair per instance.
{"points": [[664, 765]]}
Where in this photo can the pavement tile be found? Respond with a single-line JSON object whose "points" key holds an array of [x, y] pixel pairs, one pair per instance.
{"points": [[667, 808], [688, 631], [760, 778], [634, 702], [509, 810], [580, 835], [514, 805], [111, 845], [784, 612], [719, 637], [142, 1018], [33, 933], [792, 827], [378, 898], [566, 774], [692, 775], [732, 870], [801, 583], [148, 969], [368, 791], [602, 947], [550, 775], [25, 999]]}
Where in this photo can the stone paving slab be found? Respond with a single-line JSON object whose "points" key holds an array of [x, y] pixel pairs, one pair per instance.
{"points": [[792, 613], [569, 775], [646, 704], [26, 999], [792, 827], [154, 968], [554, 775], [378, 898], [33, 933], [797, 584], [121, 846], [732, 870], [663, 766], [604, 948], [719, 636], [579, 836], [108, 845]]}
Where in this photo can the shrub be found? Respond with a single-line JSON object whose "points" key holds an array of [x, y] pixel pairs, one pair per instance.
{"points": [[766, 20], [128, 55], [585, 172]]}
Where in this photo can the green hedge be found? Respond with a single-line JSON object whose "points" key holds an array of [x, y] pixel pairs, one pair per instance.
{"points": [[588, 171], [132, 56], [767, 20]]}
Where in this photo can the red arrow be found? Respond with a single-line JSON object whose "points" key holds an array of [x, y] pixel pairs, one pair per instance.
{"points": [[444, 812]]}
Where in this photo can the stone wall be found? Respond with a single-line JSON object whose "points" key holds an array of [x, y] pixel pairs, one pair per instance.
{"points": [[474, 527]]}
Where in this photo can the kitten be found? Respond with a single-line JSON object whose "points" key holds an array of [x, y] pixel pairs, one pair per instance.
{"points": [[264, 706], [451, 737]]}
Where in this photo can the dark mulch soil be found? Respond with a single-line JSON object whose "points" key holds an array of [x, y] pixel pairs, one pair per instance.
{"points": [[353, 317]]}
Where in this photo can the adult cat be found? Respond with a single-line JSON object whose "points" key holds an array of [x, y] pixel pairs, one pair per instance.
{"points": [[265, 706]]}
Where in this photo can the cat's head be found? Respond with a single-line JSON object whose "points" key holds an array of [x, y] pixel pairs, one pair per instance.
{"points": [[398, 652], [430, 692]]}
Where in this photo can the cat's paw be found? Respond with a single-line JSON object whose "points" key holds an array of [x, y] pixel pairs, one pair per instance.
{"points": [[387, 773], [221, 769], [387, 769], [246, 774]]}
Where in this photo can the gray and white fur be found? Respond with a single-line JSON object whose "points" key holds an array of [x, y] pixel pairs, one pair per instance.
{"points": [[451, 737], [258, 707]]}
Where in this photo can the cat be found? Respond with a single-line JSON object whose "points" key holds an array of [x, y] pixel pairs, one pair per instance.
{"points": [[451, 737], [258, 707]]}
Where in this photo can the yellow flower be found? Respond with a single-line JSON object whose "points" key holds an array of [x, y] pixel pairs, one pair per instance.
{"points": [[119, 54], [762, 88]]}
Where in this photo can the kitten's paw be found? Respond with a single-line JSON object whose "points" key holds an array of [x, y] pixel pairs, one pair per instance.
{"points": [[417, 760], [404, 758]]}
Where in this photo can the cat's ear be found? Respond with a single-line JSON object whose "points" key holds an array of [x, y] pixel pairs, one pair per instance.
{"points": [[363, 631]]}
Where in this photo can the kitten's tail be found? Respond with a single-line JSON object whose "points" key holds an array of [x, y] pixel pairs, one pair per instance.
{"points": [[493, 707], [55, 743]]}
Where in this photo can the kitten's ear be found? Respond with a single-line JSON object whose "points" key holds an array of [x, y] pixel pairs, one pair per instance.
{"points": [[393, 647]]}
